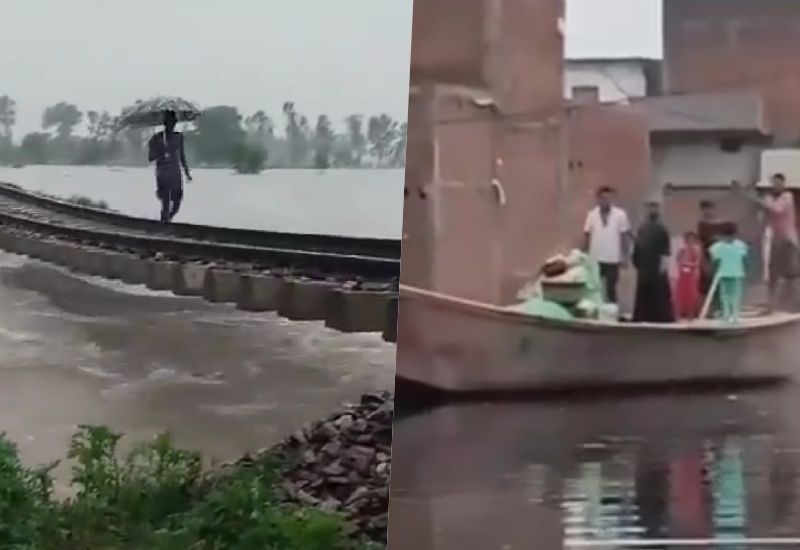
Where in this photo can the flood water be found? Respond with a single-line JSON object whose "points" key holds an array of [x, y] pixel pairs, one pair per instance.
{"points": [[362, 203], [678, 471], [79, 350]]}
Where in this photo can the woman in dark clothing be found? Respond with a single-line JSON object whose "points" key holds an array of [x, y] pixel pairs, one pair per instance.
{"points": [[653, 301], [166, 149]]}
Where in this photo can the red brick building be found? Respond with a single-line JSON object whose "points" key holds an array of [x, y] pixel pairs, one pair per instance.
{"points": [[499, 173], [723, 45], [481, 71]]}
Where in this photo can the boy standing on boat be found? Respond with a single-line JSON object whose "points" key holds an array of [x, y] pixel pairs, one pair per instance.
{"points": [[607, 240], [729, 255]]}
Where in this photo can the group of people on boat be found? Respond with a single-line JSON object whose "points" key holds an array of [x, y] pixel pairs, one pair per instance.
{"points": [[710, 263]]}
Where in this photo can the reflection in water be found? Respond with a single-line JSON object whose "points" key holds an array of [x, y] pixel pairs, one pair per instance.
{"points": [[697, 494], [658, 472]]}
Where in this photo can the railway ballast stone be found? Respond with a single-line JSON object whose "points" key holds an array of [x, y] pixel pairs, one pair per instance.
{"points": [[342, 464]]}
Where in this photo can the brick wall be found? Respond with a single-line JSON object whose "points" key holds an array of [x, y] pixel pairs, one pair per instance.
{"points": [[458, 233], [716, 45], [511, 48], [682, 212], [609, 146], [418, 244]]}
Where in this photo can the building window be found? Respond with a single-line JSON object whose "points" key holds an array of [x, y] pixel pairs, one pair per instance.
{"points": [[585, 94]]}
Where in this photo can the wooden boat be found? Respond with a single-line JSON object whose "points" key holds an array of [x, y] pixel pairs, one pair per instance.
{"points": [[460, 345]]}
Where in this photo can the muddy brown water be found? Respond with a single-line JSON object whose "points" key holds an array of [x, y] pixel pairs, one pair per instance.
{"points": [[677, 471], [82, 350], [718, 470]]}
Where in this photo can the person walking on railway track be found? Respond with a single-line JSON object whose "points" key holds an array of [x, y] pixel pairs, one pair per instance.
{"points": [[166, 150]]}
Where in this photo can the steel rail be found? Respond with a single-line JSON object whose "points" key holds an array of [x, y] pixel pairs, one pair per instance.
{"points": [[325, 264], [369, 247]]}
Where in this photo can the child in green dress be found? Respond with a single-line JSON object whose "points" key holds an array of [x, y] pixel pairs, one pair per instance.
{"points": [[729, 255]]}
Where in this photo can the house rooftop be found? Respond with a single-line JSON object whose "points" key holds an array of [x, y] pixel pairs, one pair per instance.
{"points": [[611, 59], [711, 112]]}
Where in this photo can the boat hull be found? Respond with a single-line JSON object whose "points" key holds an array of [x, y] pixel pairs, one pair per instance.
{"points": [[457, 345]]}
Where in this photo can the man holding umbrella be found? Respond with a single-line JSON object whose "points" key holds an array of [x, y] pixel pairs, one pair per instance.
{"points": [[167, 151], [166, 148]]}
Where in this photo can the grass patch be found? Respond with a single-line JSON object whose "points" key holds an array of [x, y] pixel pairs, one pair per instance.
{"points": [[81, 200], [155, 497]]}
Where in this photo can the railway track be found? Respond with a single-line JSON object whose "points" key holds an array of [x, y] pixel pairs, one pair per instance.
{"points": [[321, 256], [370, 247], [301, 277]]}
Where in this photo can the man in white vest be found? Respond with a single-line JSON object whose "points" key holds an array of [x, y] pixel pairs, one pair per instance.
{"points": [[607, 239]]}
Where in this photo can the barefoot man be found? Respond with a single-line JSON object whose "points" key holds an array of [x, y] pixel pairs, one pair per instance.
{"points": [[784, 252]]}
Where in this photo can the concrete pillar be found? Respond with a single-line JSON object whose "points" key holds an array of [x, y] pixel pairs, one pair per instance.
{"points": [[475, 171]]}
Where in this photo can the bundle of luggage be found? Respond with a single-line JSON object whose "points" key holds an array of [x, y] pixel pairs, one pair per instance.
{"points": [[568, 287]]}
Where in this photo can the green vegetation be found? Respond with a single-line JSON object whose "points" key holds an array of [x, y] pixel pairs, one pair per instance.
{"points": [[249, 159], [86, 201], [155, 497], [70, 136]]}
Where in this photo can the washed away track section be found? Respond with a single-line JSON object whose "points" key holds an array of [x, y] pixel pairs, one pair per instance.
{"points": [[350, 284]]}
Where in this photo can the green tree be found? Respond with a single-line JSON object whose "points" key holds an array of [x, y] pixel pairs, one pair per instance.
{"points": [[34, 148], [249, 158], [356, 138], [132, 142], [381, 133], [259, 127], [8, 118], [399, 146], [323, 142], [63, 117], [296, 135], [97, 148], [217, 134], [93, 122]]}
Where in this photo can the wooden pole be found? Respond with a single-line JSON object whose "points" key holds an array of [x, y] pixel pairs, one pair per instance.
{"points": [[709, 297]]}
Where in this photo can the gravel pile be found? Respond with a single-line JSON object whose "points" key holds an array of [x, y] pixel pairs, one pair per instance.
{"points": [[343, 463]]}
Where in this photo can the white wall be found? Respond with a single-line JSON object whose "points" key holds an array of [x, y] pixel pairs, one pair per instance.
{"points": [[703, 164], [615, 80], [784, 161]]}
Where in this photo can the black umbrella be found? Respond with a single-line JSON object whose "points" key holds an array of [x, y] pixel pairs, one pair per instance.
{"points": [[151, 112]]}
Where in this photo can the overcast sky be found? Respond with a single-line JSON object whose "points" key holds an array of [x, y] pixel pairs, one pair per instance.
{"points": [[332, 56]]}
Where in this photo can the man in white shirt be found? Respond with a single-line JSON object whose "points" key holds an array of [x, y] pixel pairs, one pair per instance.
{"points": [[607, 239]]}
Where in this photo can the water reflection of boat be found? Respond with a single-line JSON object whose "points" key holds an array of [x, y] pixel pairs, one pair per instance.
{"points": [[488, 494], [461, 345], [728, 490]]}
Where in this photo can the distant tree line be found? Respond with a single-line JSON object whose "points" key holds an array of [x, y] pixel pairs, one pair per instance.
{"points": [[222, 137]]}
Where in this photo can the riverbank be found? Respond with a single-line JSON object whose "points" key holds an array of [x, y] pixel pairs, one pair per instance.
{"points": [[324, 487], [341, 464]]}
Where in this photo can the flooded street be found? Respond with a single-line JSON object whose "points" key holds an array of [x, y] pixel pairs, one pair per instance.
{"points": [[79, 350], [678, 471]]}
